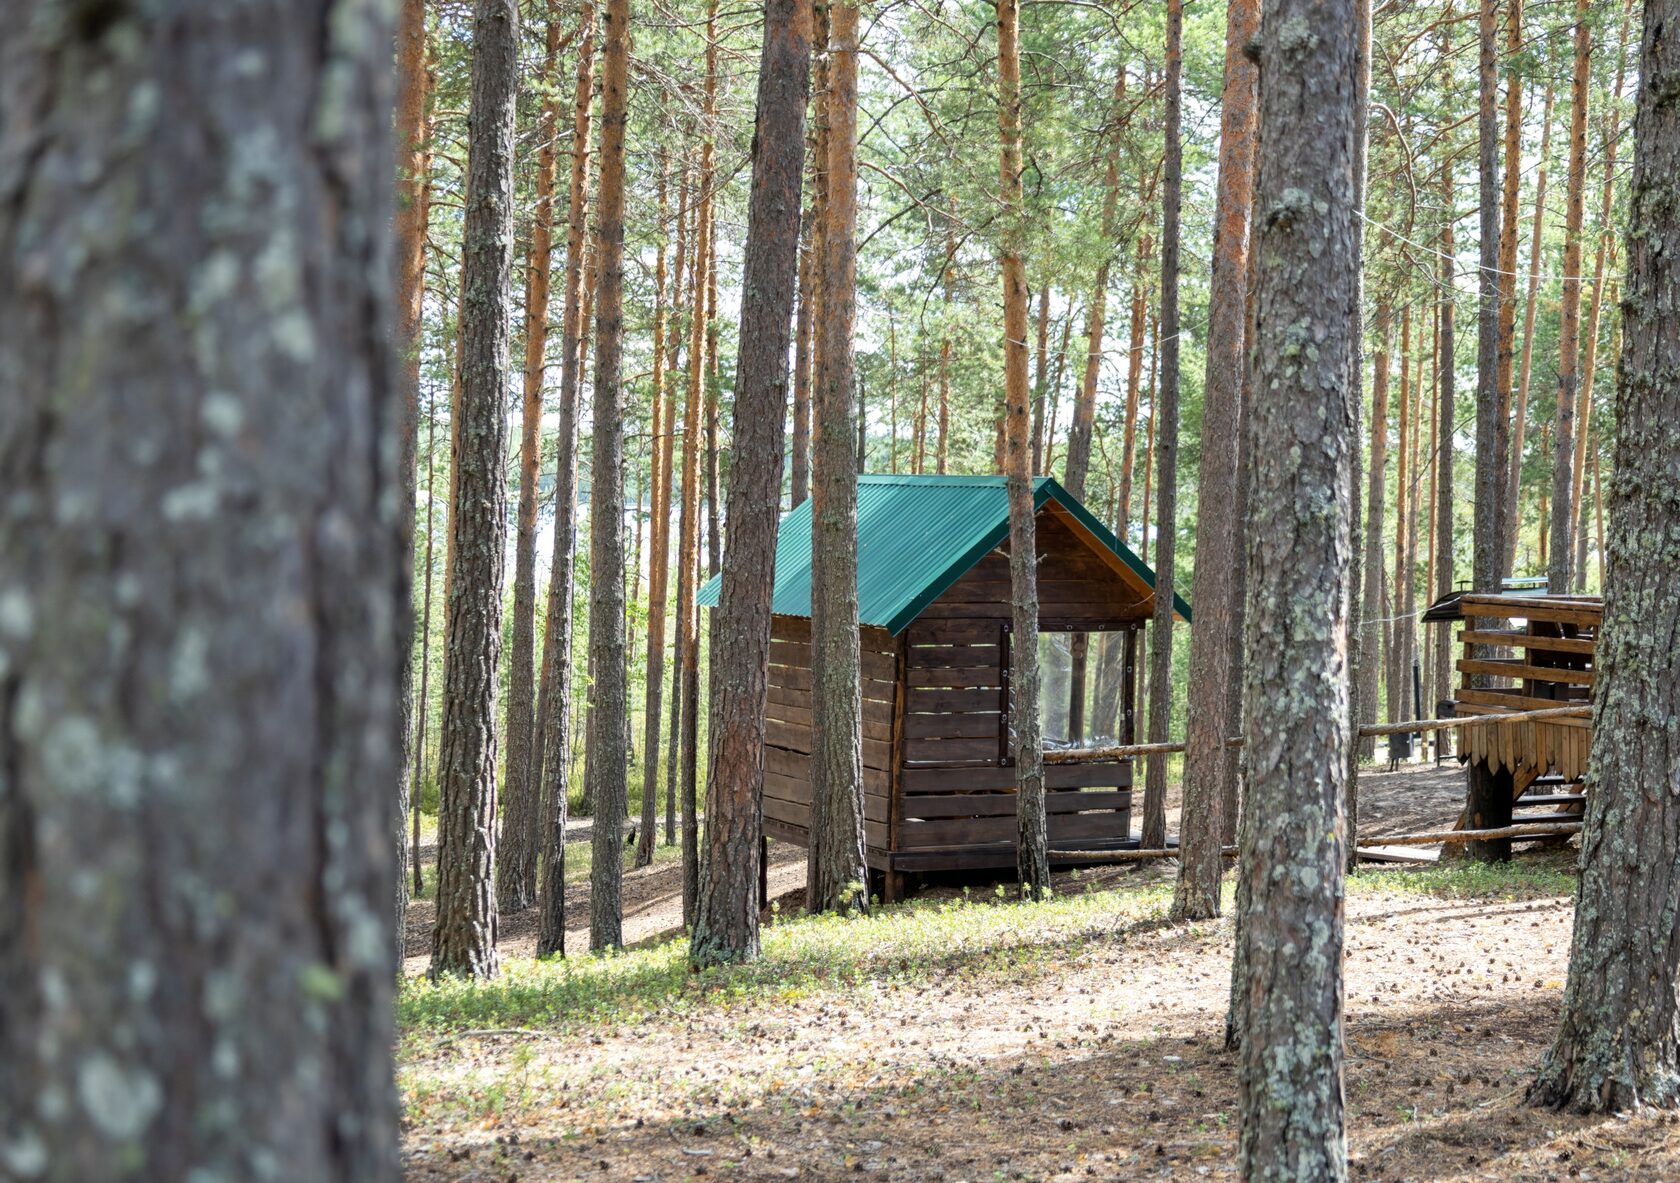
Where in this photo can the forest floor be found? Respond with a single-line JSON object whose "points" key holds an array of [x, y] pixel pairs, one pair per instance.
{"points": [[964, 1036]]}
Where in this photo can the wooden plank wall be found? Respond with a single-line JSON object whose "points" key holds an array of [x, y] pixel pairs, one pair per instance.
{"points": [[958, 786], [1076, 585], [1553, 666], [787, 731]]}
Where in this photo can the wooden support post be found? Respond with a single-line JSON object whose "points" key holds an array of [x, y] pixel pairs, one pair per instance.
{"points": [[1487, 806], [1128, 692]]}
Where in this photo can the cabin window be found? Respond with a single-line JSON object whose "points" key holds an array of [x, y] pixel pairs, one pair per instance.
{"points": [[1089, 712]]}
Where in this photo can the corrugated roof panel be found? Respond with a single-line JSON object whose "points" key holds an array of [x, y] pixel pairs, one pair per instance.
{"points": [[917, 535]]}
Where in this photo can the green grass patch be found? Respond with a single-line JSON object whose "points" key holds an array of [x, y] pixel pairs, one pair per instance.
{"points": [[976, 935], [1531, 876], [910, 943]]}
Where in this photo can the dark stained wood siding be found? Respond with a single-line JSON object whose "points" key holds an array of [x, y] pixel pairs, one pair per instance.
{"points": [[951, 801], [787, 730]]}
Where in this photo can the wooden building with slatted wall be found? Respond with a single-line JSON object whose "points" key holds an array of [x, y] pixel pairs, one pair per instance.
{"points": [[1523, 650], [935, 633]]}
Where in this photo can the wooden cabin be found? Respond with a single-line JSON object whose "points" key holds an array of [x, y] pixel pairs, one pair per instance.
{"points": [[935, 625], [1523, 651]]}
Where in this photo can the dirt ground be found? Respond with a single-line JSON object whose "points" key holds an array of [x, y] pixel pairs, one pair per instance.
{"points": [[1105, 1063], [1417, 799]]}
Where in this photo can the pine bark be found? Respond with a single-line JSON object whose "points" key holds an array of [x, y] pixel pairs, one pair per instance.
{"points": [[1560, 569], [714, 530], [1032, 842], [1446, 410], [609, 721], [414, 88], [836, 876], [418, 757], [1595, 306], [659, 537], [1371, 666], [464, 937], [1361, 710], [726, 921], [1078, 461], [202, 593], [1296, 690], [1166, 445], [553, 763], [1218, 531], [688, 617], [1509, 234], [1405, 632], [1519, 414], [1487, 532], [516, 868], [943, 452], [1041, 372], [800, 481], [1134, 383], [673, 347], [1618, 1043]]}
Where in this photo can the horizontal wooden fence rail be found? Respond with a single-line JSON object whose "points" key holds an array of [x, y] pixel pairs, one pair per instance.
{"points": [[1523, 830], [1079, 755]]}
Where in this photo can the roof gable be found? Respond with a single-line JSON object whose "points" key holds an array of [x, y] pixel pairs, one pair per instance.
{"points": [[917, 535]]}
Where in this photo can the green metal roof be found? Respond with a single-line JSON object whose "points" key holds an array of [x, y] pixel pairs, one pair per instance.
{"points": [[917, 535]]}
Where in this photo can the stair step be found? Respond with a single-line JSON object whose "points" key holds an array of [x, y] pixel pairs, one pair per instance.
{"points": [[1528, 800]]}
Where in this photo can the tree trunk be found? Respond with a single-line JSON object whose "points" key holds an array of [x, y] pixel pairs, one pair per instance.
{"points": [[1085, 406], [419, 755], [414, 192], [801, 478], [1360, 710], [1032, 843], [1218, 531], [1370, 626], [892, 393], [1056, 387], [1408, 584], [516, 869], [1508, 237], [1166, 447], [672, 775], [714, 531], [1445, 413], [553, 763], [1042, 372], [1290, 1070], [836, 875], [689, 527], [1617, 1045], [1134, 381], [1560, 571], [464, 938], [816, 216], [659, 539], [202, 594], [1605, 245], [609, 701], [1513, 486], [1491, 418], [726, 921], [1399, 664], [942, 454]]}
